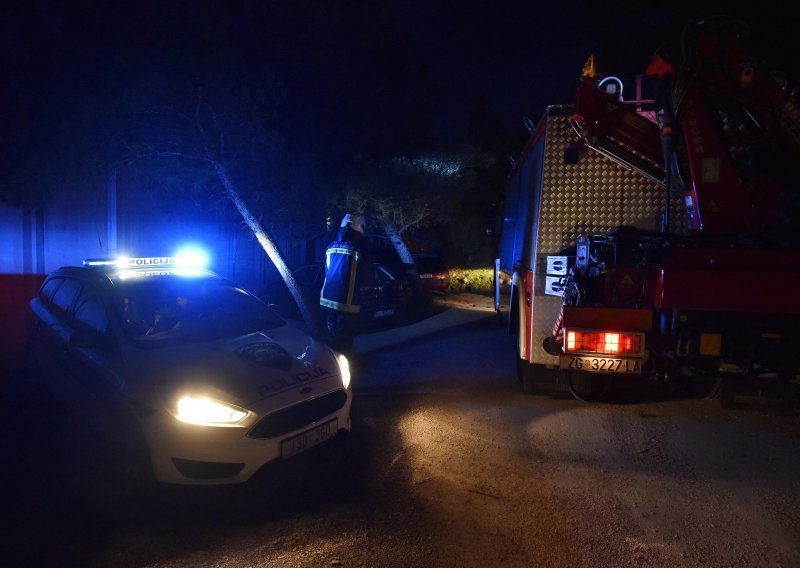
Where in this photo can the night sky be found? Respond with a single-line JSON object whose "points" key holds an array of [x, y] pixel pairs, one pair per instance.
{"points": [[341, 80]]}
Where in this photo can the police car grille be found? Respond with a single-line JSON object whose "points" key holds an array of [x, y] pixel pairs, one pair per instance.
{"points": [[299, 415]]}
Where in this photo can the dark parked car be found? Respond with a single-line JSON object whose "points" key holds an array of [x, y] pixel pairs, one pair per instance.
{"points": [[383, 294], [434, 275]]}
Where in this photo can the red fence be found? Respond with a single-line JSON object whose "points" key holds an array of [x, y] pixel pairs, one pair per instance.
{"points": [[16, 290]]}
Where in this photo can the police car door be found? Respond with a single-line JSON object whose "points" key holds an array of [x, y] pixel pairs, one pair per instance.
{"points": [[93, 360], [53, 330]]}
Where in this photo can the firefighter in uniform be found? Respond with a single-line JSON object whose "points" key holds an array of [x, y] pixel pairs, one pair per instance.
{"points": [[339, 297]]}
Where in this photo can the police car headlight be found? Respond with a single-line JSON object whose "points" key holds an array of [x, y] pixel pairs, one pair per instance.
{"points": [[208, 412], [344, 369]]}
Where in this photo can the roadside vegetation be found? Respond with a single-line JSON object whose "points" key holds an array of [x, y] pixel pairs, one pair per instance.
{"points": [[474, 280]]}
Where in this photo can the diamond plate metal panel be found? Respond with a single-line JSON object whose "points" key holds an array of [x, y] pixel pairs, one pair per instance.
{"points": [[593, 196]]}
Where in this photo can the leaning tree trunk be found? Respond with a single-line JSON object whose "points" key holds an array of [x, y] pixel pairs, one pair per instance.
{"points": [[404, 254], [398, 243], [267, 244]]}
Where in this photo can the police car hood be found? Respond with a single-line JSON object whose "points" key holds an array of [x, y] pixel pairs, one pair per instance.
{"points": [[282, 366]]}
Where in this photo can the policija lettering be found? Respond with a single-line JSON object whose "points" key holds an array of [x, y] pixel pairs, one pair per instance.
{"points": [[305, 377]]}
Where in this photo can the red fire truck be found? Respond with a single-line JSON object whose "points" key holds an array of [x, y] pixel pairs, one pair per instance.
{"points": [[661, 242]]}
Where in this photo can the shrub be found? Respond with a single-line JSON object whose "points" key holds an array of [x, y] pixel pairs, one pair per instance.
{"points": [[474, 280]]}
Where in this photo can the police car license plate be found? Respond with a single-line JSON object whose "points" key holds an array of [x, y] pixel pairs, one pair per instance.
{"points": [[308, 439], [601, 364]]}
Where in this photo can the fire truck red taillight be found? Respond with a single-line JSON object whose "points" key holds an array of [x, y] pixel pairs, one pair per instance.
{"points": [[604, 342], [628, 343]]}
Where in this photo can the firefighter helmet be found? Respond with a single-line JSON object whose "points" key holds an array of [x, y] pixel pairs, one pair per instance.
{"points": [[355, 220]]}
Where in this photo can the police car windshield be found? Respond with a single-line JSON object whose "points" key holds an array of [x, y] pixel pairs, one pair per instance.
{"points": [[176, 310]]}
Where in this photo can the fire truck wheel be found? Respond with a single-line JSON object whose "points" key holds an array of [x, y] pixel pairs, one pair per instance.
{"points": [[526, 374], [528, 384], [697, 382], [590, 387], [727, 393], [706, 385]]}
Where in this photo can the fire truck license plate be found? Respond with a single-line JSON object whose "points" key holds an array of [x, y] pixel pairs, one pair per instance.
{"points": [[601, 364], [308, 439]]}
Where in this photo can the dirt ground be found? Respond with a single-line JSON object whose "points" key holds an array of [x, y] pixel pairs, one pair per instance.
{"points": [[448, 464], [666, 484], [547, 480]]}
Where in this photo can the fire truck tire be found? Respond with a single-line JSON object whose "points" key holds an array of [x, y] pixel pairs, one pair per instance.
{"points": [[590, 387], [525, 372], [534, 378], [520, 362], [727, 393], [706, 386]]}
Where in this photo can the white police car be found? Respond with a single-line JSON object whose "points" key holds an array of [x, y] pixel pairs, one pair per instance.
{"points": [[187, 376]]}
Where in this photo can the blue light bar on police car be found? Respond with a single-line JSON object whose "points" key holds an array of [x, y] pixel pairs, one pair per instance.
{"points": [[145, 262], [99, 262], [191, 257]]}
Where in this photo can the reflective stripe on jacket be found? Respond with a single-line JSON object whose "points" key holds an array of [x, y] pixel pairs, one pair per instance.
{"points": [[340, 289]]}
